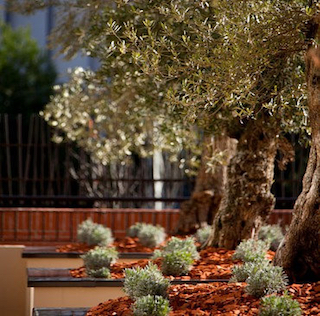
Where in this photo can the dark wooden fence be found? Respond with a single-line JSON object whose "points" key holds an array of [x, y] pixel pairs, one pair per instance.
{"points": [[34, 171], [288, 182]]}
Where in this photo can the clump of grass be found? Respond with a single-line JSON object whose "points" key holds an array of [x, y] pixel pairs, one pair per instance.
{"points": [[99, 273], [262, 278], [272, 234], [97, 261], [251, 250], [94, 234], [151, 236], [279, 305], [147, 281], [241, 272], [150, 305], [186, 244], [177, 263], [267, 280], [203, 234], [133, 230], [177, 256]]}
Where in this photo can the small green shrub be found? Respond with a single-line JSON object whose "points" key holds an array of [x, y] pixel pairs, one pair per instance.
{"points": [[141, 282], [98, 261], [251, 250], [99, 273], [187, 244], [177, 263], [94, 234], [151, 306], [241, 272], [151, 236], [279, 305], [273, 234], [177, 256], [267, 280], [157, 254], [133, 230], [203, 234]]}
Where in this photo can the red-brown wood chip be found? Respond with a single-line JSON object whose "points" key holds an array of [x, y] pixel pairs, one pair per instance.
{"points": [[219, 298], [75, 247], [226, 299], [126, 244], [129, 244], [119, 306], [214, 263], [117, 269]]}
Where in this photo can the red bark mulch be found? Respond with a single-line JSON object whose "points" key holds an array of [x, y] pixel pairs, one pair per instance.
{"points": [[226, 299], [126, 244], [75, 247], [214, 263]]}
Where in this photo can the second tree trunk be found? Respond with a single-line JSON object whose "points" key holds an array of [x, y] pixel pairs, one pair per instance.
{"points": [[248, 200], [203, 205]]}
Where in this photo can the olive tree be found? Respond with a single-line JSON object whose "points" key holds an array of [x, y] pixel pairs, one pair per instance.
{"points": [[228, 72], [230, 66], [299, 253], [140, 122]]}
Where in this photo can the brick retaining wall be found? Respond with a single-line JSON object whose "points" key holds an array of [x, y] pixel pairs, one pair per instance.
{"points": [[41, 226]]}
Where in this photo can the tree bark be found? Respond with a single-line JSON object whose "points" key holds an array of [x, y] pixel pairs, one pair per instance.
{"points": [[248, 200], [299, 253], [200, 210]]}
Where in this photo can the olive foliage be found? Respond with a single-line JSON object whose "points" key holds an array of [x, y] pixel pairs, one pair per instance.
{"points": [[113, 128], [216, 64]]}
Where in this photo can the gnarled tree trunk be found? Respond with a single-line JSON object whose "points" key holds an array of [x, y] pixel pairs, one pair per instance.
{"points": [[248, 200], [200, 210], [299, 253]]}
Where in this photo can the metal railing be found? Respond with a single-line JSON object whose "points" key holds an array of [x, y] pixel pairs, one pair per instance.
{"points": [[33, 167], [34, 171]]}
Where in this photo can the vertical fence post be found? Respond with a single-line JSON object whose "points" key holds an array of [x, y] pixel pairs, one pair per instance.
{"points": [[28, 158], [20, 171], [1, 176], [42, 157], [50, 190], [66, 186], [9, 173], [35, 158]]}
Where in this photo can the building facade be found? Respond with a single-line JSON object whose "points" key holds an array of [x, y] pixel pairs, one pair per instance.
{"points": [[41, 24]]}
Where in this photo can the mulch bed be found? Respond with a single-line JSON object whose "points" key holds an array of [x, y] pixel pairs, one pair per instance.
{"points": [[214, 263], [219, 298], [126, 244], [227, 299]]}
